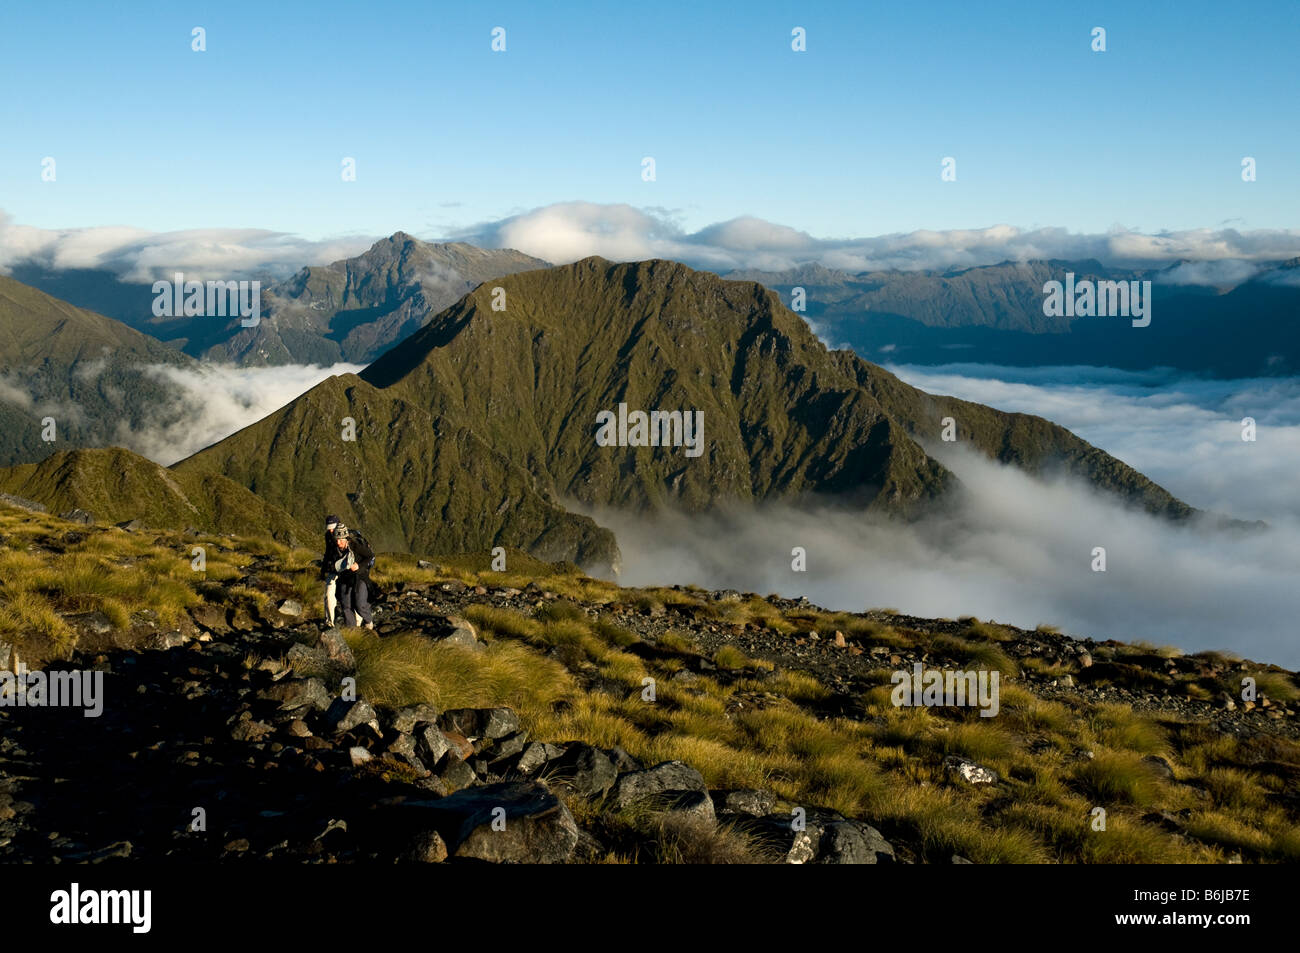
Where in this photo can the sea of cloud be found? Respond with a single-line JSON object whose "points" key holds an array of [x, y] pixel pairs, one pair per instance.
{"points": [[1020, 550]]}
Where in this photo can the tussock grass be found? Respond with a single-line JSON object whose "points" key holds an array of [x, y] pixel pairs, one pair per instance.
{"points": [[1116, 777], [742, 728], [409, 669]]}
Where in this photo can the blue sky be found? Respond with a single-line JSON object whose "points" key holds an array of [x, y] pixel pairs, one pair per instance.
{"points": [[842, 140]]}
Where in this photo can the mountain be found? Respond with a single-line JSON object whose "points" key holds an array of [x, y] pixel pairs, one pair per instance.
{"points": [[1227, 327], [90, 373], [479, 429], [352, 310], [116, 485]]}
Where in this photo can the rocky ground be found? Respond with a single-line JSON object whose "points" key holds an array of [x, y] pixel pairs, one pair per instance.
{"points": [[199, 757], [238, 736]]}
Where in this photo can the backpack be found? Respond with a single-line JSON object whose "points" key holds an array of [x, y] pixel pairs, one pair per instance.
{"points": [[364, 551]]}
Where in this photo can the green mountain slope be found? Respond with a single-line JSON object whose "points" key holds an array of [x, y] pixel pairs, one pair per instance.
{"points": [[86, 371], [117, 485], [454, 424]]}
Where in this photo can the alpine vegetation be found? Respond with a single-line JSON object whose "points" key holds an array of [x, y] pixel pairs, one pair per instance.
{"points": [[1087, 298], [658, 428]]}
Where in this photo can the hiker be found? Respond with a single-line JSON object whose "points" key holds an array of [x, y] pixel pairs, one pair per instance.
{"points": [[353, 568], [327, 573]]}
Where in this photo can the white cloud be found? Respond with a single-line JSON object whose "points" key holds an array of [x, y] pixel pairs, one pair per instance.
{"points": [[1227, 273], [1018, 550], [216, 400], [1182, 432], [567, 231], [138, 255]]}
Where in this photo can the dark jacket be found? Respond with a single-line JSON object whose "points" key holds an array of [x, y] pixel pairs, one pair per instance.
{"points": [[332, 554], [363, 554]]}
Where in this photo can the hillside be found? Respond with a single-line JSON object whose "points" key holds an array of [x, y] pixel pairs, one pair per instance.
{"points": [[88, 372], [117, 486], [612, 725], [783, 418]]}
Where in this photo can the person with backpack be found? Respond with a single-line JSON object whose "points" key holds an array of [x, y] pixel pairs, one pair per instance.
{"points": [[327, 573], [353, 569]]}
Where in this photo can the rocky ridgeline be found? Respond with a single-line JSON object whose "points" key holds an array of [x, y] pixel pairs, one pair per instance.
{"points": [[238, 738]]}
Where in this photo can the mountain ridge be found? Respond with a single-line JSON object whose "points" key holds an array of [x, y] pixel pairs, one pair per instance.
{"points": [[785, 417]]}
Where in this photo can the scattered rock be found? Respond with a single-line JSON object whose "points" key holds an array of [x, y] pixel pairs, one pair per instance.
{"points": [[345, 716], [294, 693], [968, 771], [491, 723], [750, 802], [584, 768], [853, 842], [457, 774], [408, 719], [663, 779], [531, 824], [535, 755], [210, 617], [336, 649]]}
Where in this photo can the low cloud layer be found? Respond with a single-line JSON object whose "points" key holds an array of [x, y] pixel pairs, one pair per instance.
{"points": [[218, 400], [1183, 432], [1019, 549], [566, 231]]}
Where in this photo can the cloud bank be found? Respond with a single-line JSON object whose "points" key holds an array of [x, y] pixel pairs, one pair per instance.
{"points": [[1019, 551], [137, 255], [1183, 432], [217, 400], [567, 231]]}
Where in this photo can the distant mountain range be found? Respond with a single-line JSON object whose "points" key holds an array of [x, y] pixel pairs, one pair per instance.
{"points": [[1226, 318], [351, 310], [995, 315]]}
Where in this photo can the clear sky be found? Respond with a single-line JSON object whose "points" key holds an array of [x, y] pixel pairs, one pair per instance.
{"points": [[842, 140]]}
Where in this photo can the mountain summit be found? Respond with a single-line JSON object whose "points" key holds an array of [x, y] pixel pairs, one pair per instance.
{"points": [[350, 310], [477, 429]]}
